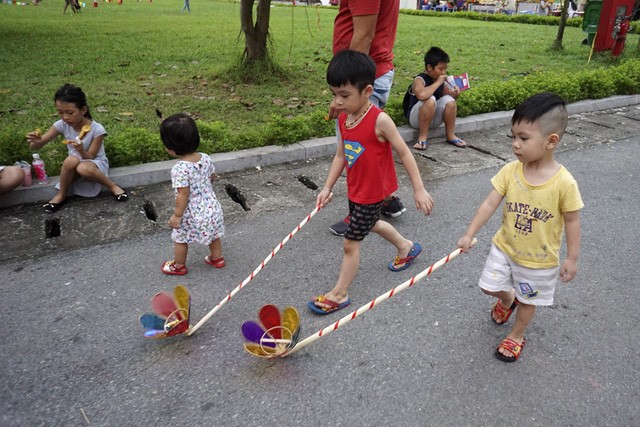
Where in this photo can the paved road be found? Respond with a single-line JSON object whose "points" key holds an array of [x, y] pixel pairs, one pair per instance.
{"points": [[71, 346]]}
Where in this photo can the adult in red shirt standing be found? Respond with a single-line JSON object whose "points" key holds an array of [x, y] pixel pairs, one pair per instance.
{"points": [[369, 26]]}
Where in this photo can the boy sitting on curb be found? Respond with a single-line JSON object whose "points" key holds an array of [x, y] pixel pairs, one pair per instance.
{"points": [[429, 101]]}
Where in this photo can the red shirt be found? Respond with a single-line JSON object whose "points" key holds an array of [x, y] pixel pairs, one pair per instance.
{"points": [[381, 49], [371, 172]]}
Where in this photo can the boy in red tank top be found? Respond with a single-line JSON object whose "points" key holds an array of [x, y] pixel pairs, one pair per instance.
{"points": [[368, 137]]}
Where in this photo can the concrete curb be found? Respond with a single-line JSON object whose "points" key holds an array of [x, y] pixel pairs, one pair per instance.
{"points": [[153, 173]]}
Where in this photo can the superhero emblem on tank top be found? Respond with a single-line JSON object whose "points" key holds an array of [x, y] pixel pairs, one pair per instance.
{"points": [[352, 150]]}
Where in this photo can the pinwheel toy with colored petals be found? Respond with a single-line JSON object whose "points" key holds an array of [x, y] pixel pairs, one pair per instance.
{"points": [[274, 334], [170, 314]]}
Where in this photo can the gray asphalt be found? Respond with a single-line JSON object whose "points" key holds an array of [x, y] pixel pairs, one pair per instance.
{"points": [[73, 352]]}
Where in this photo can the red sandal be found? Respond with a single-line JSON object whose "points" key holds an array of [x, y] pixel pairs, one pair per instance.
{"points": [[217, 263], [512, 346], [502, 314], [170, 267]]}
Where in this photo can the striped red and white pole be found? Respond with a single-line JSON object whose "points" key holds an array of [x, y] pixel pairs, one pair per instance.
{"points": [[254, 272], [349, 317]]}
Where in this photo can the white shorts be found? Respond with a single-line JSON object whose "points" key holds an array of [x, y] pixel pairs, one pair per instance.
{"points": [[533, 286], [438, 117]]}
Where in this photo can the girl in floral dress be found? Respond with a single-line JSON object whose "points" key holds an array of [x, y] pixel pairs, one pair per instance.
{"points": [[197, 217]]}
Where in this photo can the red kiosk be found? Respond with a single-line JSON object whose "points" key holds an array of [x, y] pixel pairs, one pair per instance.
{"points": [[613, 26]]}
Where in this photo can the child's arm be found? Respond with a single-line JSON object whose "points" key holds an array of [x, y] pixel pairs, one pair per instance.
{"points": [[569, 267], [337, 165], [36, 141], [484, 212], [386, 130], [92, 152], [182, 198], [423, 92]]}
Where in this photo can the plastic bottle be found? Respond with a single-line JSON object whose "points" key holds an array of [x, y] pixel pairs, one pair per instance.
{"points": [[39, 169]]}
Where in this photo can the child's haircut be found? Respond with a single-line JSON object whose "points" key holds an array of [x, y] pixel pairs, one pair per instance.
{"points": [[180, 134], [546, 108], [73, 95], [434, 56], [351, 67]]}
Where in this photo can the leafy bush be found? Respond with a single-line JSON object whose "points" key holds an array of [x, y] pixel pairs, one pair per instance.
{"points": [[131, 146], [519, 18], [134, 146]]}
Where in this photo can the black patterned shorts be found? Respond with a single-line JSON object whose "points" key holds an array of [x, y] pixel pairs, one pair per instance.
{"points": [[362, 218]]}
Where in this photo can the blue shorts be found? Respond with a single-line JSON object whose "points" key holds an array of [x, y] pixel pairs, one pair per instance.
{"points": [[381, 89]]}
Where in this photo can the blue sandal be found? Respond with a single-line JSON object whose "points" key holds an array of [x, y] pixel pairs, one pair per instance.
{"points": [[423, 145], [416, 249]]}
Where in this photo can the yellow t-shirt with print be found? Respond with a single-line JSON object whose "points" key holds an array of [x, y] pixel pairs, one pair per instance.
{"points": [[532, 216]]}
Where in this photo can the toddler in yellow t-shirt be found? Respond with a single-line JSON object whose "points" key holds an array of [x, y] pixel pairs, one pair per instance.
{"points": [[541, 198]]}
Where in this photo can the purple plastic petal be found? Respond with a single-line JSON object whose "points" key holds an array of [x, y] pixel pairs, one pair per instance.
{"points": [[253, 332]]}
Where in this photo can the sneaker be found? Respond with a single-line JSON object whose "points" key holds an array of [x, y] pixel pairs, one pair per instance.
{"points": [[340, 228], [393, 208]]}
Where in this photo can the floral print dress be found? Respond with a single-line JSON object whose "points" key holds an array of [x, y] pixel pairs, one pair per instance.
{"points": [[202, 220]]}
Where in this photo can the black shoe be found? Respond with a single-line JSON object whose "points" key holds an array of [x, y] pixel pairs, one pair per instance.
{"points": [[53, 207], [340, 228], [122, 197], [393, 208]]}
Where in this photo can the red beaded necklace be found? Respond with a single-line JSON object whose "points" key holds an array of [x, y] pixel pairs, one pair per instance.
{"points": [[357, 120]]}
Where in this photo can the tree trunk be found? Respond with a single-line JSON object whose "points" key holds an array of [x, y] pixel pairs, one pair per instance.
{"points": [[557, 44], [255, 35]]}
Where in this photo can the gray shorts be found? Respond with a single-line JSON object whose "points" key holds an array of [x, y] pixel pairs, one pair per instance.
{"points": [[438, 117]]}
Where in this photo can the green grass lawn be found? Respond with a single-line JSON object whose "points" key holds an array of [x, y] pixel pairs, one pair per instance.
{"points": [[138, 56]]}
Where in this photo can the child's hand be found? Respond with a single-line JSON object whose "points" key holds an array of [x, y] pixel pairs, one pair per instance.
{"points": [[34, 139], [424, 202], [175, 221], [568, 270], [324, 197], [333, 113], [465, 243]]}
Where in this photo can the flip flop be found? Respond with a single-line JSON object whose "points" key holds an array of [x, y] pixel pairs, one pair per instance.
{"points": [[333, 306], [457, 142], [513, 347], [416, 249], [423, 145]]}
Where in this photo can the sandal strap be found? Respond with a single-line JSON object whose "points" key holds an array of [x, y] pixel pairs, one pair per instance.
{"points": [[404, 260], [512, 346], [503, 313]]}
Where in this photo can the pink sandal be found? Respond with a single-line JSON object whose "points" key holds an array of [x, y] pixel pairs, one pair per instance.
{"points": [[170, 267], [217, 263]]}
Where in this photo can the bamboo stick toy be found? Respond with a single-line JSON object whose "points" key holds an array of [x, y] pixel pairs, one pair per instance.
{"points": [[253, 273], [346, 319]]}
